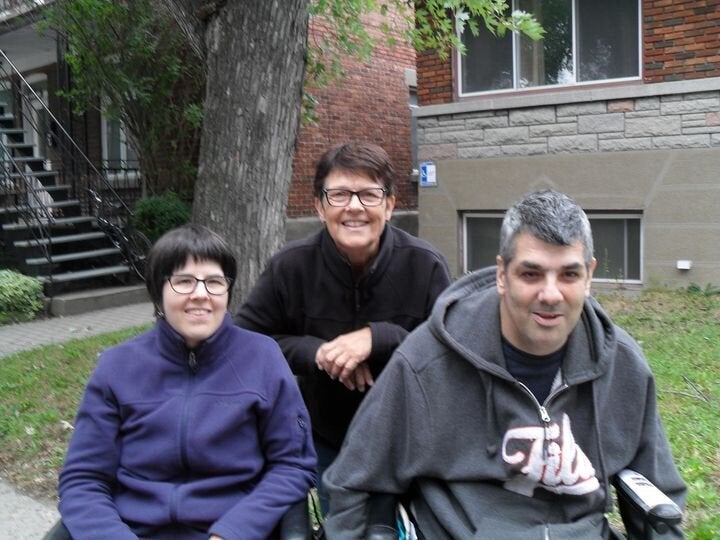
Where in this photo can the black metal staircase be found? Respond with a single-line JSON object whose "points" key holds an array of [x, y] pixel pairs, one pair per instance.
{"points": [[49, 223]]}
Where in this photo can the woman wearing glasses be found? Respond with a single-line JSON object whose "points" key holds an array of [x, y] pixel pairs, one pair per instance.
{"points": [[194, 429], [339, 301]]}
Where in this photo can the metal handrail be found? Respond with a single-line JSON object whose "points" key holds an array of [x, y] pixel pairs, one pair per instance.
{"points": [[95, 172]]}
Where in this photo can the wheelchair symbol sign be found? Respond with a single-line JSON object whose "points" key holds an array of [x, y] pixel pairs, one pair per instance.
{"points": [[428, 174]]}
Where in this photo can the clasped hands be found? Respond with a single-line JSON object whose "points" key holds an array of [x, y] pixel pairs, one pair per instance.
{"points": [[344, 358]]}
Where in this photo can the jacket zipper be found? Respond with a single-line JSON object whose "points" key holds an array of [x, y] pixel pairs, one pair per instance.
{"points": [[542, 409], [192, 366], [356, 298]]}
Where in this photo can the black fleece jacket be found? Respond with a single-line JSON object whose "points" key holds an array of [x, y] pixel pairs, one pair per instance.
{"points": [[307, 296]]}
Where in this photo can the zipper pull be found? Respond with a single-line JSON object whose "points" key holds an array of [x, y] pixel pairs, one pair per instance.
{"points": [[192, 361], [544, 415]]}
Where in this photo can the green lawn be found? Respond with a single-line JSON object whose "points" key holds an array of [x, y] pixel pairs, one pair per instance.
{"points": [[679, 332]]}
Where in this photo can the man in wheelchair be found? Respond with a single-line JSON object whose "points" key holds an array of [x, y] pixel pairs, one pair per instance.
{"points": [[514, 408]]}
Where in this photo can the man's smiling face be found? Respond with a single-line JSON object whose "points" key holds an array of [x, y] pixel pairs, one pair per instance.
{"points": [[542, 292]]}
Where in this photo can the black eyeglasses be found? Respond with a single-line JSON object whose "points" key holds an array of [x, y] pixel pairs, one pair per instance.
{"points": [[186, 284], [367, 197]]}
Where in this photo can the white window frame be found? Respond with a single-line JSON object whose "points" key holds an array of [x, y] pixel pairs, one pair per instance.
{"points": [[592, 216], [515, 59], [624, 216], [465, 236], [123, 145]]}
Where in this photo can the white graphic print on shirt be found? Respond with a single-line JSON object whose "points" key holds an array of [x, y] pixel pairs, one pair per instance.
{"points": [[547, 456]]}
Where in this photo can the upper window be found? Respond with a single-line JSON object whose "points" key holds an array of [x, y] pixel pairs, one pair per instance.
{"points": [[116, 150], [585, 41]]}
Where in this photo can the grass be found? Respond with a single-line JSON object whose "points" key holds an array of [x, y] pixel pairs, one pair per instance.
{"points": [[679, 332], [39, 394]]}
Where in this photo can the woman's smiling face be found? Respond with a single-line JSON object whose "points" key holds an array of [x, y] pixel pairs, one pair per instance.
{"points": [[198, 315], [355, 229]]}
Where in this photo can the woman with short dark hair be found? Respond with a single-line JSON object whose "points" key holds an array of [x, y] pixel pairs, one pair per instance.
{"points": [[339, 301], [194, 428]]}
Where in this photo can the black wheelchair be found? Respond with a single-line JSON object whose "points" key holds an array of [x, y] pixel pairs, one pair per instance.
{"points": [[295, 525], [660, 513]]}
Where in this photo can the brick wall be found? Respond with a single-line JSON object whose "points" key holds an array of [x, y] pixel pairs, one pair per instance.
{"points": [[435, 79], [681, 41], [370, 104]]}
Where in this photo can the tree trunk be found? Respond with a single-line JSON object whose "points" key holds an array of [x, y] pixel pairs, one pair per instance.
{"points": [[255, 66]]}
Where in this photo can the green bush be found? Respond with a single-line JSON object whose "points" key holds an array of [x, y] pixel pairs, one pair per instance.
{"points": [[157, 214], [20, 297]]}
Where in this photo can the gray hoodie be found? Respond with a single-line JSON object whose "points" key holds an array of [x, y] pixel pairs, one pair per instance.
{"points": [[475, 454]]}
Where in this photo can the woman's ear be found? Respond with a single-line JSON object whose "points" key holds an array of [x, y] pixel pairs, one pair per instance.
{"points": [[319, 208]]}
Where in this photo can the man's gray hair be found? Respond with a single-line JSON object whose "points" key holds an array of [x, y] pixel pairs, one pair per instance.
{"points": [[549, 216]]}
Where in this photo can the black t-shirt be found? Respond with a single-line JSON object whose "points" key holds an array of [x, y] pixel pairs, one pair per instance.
{"points": [[535, 372]]}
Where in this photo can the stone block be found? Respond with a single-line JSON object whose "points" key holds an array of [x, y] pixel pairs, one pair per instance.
{"points": [[682, 141], [601, 123], [643, 114], [622, 144], [526, 117], [426, 122], [571, 144], [437, 152], [475, 152], [691, 106], [508, 135], [648, 103], [652, 126], [578, 109], [525, 149], [487, 122], [547, 130], [611, 135]]}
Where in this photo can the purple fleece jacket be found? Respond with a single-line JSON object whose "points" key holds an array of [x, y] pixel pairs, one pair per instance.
{"points": [[172, 443]]}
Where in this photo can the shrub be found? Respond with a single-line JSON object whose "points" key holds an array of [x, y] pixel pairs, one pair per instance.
{"points": [[157, 214], [20, 297]]}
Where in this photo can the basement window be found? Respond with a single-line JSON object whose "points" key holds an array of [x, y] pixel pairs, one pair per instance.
{"points": [[617, 242]]}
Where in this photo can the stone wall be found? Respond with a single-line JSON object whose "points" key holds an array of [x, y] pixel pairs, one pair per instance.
{"points": [[655, 122]]}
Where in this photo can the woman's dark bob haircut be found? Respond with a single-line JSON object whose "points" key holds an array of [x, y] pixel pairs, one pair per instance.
{"points": [[172, 250], [356, 157]]}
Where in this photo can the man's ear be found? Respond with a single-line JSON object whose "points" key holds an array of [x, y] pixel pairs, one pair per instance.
{"points": [[500, 274], [591, 269]]}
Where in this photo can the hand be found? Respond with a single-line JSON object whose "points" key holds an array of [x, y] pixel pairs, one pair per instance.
{"points": [[361, 379], [339, 357]]}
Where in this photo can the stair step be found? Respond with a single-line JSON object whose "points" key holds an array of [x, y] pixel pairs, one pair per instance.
{"points": [[57, 222], [24, 207], [18, 146], [85, 274], [23, 159], [29, 174], [74, 256], [49, 189], [12, 131], [59, 239]]}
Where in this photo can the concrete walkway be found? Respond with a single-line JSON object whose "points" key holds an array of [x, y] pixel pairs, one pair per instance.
{"points": [[23, 518]]}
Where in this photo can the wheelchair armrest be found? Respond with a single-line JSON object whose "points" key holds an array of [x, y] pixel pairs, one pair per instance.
{"points": [[382, 523], [295, 524], [657, 508]]}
